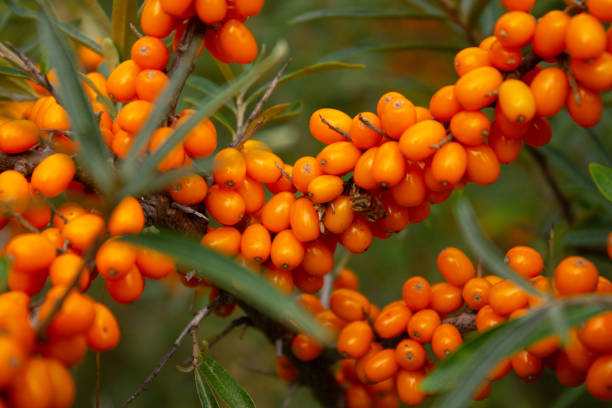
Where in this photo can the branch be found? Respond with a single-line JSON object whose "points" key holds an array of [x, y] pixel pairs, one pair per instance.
{"points": [[464, 322], [21, 61], [244, 320], [199, 316]]}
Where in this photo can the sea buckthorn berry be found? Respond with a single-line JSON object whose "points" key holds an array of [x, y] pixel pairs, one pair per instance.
{"points": [[325, 188], [349, 305], [18, 136], [53, 174], [385, 100], [64, 269], [389, 166], [263, 165], [527, 366], [12, 359], [549, 88], [181, 9], [189, 190], [362, 134], [201, 140], [14, 191], [287, 252], [225, 206], [175, 157], [32, 387], [122, 143], [549, 35], [397, 217], [30, 252], [423, 113], [346, 279], [285, 370], [516, 100], [449, 163], [416, 292], [501, 369], [381, 366], [255, 243], [594, 74], [575, 275], [127, 289], [26, 282], [578, 354], [357, 237], [253, 194], [153, 264], [469, 58], [363, 174], [121, 83], [445, 298], [237, 41], [338, 158], [508, 128], [519, 5], [455, 266], [304, 220], [225, 240], [488, 318], [248, 8], [229, 168], [478, 88], [505, 297], [68, 350], [506, 149], [601, 9], [127, 218], [305, 348], [74, 317], [62, 385], [419, 140], [114, 259], [150, 83], [585, 37], [305, 282], [155, 21], [596, 334], [275, 215], [515, 29], [545, 347], [503, 58], [397, 116], [598, 380], [471, 128], [422, 325], [482, 165], [408, 385], [318, 259], [305, 169], [525, 261], [211, 11], [476, 293], [444, 104], [284, 182], [411, 190], [355, 339], [361, 362], [133, 116], [410, 355], [446, 339], [357, 396], [150, 53], [584, 106], [604, 285], [321, 130], [339, 214], [281, 279], [392, 320]]}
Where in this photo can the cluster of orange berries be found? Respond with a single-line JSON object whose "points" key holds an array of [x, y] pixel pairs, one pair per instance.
{"points": [[383, 351]]}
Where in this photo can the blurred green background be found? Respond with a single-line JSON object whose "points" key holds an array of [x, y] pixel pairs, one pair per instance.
{"points": [[519, 208]]}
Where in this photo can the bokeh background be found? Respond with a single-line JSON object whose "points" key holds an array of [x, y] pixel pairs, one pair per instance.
{"points": [[519, 208]]}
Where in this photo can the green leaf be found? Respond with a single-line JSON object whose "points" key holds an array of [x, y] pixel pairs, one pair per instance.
{"points": [[354, 14], [492, 258], [147, 170], [110, 53], [476, 10], [568, 397], [94, 155], [124, 13], [225, 385], [207, 87], [294, 111], [466, 368], [13, 72], [101, 18], [233, 278], [4, 268], [588, 237], [602, 176], [403, 46], [302, 72], [205, 393], [266, 116]]}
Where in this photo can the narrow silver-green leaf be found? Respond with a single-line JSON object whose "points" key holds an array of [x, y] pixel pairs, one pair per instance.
{"points": [[602, 176], [302, 72], [226, 387], [205, 393], [345, 53], [591, 237], [568, 397], [124, 13], [465, 369], [360, 14], [98, 12], [266, 116], [104, 99], [233, 278], [147, 170], [93, 155], [491, 256], [476, 10], [13, 72]]}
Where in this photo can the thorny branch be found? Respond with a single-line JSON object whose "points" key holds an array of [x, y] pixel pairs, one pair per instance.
{"points": [[12, 54]]}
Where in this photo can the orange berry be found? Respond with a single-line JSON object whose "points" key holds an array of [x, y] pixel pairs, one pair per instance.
{"points": [[527, 366], [225, 206], [516, 100], [155, 21], [601, 9], [506, 148], [449, 163], [482, 165], [285, 370], [478, 88], [325, 188], [14, 191], [584, 106], [127, 217], [150, 53], [362, 135], [305, 348], [68, 350], [505, 297], [338, 158], [64, 269], [175, 157], [255, 243], [410, 355], [225, 240], [121, 83], [74, 317], [585, 37], [471, 128], [253, 195], [408, 387], [237, 41], [318, 259], [525, 261], [322, 132], [18, 136], [444, 104], [32, 387], [211, 11], [53, 174], [455, 266], [114, 259], [355, 339], [419, 140], [385, 100], [445, 298], [422, 325], [596, 333], [519, 5], [150, 83], [201, 141], [189, 190], [515, 29], [26, 282], [275, 215], [470, 58], [397, 116], [363, 174], [575, 275], [347, 279], [549, 88], [392, 320], [305, 282], [128, 288], [389, 166], [549, 36], [287, 252], [305, 169], [476, 293], [263, 165], [416, 292], [12, 359], [30, 252], [595, 74], [153, 264], [598, 380], [349, 305], [503, 58], [133, 115], [357, 237], [446, 339], [62, 385], [339, 215], [488, 318], [381, 366], [229, 168]]}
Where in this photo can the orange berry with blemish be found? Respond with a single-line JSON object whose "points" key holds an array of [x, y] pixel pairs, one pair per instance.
{"points": [[115, 259], [362, 135], [397, 116], [422, 325], [416, 292], [476, 293], [103, 334], [385, 100], [305, 169], [150, 53], [334, 117], [410, 355]]}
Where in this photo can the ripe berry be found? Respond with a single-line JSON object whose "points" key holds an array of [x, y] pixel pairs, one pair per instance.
{"points": [[575, 275]]}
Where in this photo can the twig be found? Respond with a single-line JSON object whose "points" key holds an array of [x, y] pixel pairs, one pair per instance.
{"points": [[464, 322], [30, 68], [240, 136], [24, 223], [54, 209], [442, 142], [328, 280], [195, 355], [284, 172], [135, 30], [188, 210], [244, 320], [291, 395], [201, 314], [542, 163], [370, 125], [335, 128]]}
